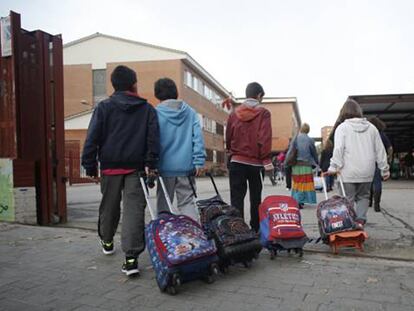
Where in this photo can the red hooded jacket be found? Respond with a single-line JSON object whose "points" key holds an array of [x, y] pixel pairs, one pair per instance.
{"points": [[249, 135]]}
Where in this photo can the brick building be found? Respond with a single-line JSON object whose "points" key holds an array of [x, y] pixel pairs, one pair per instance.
{"points": [[325, 132], [89, 61], [285, 120]]}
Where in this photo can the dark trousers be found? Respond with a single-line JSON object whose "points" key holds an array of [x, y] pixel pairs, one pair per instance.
{"points": [[329, 180], [240, 175], [288, 172], [377, 182], [128, 188]]}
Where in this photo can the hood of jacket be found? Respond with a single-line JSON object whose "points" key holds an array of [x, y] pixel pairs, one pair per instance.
{"points": [[174, 111], [247, 113], [127, 101], [358, 125]]}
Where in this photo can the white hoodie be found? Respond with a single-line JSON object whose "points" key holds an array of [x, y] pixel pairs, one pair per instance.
{"points": [[358, 147]]}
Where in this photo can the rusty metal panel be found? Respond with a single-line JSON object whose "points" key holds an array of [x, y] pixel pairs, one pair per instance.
{"points": [[59, 158], [8, 96], [7, 111], [23, 173], [45, 162], [30, 110]]}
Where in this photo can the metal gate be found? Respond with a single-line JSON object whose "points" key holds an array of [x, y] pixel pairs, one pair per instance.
{"points": [[74, 170], [32, 129]]}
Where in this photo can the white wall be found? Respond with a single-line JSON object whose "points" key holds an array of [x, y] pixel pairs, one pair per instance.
{"points": [[78, 123], [99, 51]]}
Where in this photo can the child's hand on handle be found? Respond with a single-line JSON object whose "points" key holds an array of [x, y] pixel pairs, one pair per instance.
{"points": [[92, 172], [269, 167], [150, 171], [329, 173], [198, 171]]}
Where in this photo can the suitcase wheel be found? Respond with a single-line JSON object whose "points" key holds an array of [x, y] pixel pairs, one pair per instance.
{"points": [[299, 251], [172, 290], [175, 282], [212, 274], [161, 288], [214, 269], [273, 254], [224, 268], [247, 264], [209, 279]]}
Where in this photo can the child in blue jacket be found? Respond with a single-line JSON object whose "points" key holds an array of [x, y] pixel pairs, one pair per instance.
{"points": [[182, 152]]}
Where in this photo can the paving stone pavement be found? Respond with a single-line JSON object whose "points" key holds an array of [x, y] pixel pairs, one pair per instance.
{"points": [[53, 268]]}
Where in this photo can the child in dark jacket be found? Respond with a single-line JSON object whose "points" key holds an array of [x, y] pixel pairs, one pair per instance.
{"points": [[123, 136]]}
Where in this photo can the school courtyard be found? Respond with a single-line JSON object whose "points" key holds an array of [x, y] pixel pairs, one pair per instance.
{"points": [[63, 268]]}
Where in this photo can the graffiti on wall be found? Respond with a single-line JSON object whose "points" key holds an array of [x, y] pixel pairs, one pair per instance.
{"points": [[6, 190]]}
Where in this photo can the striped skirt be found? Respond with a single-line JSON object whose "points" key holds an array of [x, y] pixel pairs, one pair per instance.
{"points": [[303, 189]]}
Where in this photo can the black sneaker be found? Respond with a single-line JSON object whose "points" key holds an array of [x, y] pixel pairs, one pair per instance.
{"points": [[130, 266], [108, 247]]}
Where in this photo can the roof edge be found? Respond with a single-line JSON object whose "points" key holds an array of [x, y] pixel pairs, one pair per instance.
{"points": [[98, 34]]}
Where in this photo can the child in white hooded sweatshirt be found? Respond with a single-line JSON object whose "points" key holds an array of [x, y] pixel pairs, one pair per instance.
{"points": [[357, 147]]}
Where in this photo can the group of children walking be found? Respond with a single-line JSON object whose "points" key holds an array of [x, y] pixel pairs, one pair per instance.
{"points": [[128, 136]]}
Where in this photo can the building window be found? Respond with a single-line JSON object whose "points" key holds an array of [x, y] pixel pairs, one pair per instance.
{"points": [[220, 157], [200, 118], [207, 92], [209, 155], [188, 79], [214, 156], [99, 85], [219, 129], [195, 83], [202, 88], [209, 125]]}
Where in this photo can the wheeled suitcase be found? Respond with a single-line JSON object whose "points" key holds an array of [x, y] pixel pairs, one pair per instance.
{"points": [[336, 221], [335, 214], [178, 248], [280, 225], [235, 241]]}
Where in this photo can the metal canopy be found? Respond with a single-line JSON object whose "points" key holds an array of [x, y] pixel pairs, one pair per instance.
{"points": [[397, 111]]}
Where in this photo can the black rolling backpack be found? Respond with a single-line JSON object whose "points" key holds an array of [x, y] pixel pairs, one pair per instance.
{"points": [[235, 241]]}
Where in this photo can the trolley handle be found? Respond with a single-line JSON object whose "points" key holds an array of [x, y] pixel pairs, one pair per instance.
{"points": [[148, 197], [190, 181], [341, 183], [213, 182]]}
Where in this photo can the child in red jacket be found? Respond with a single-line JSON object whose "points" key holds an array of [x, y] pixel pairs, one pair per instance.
{"points": [[248, 143]]}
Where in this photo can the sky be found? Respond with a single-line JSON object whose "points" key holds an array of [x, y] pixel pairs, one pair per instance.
{"points": [[318, 51]]}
